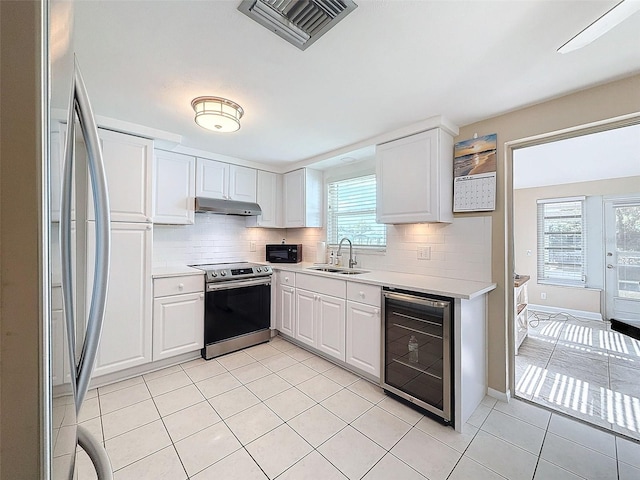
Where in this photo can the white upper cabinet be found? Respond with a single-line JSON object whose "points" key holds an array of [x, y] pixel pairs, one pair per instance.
{"points": [[128, 165], [415, 178], [174, 180], [212, 179], [222, 180], [269, 197], [242, 183], [302, 199]]}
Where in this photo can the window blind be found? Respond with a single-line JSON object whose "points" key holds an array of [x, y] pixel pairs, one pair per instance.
{"points": [[351, 213], [562, 241]]}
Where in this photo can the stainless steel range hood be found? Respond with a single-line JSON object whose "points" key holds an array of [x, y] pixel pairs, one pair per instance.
{"points": [[227, 207]]}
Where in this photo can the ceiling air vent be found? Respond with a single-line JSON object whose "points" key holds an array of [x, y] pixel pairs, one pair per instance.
{"points": [[299, 22]]}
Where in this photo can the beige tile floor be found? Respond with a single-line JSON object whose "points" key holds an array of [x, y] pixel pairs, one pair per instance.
{"points": [[584, 369], [278, 411]]}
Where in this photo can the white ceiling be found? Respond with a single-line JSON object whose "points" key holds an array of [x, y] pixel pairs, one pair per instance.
{"points": [[387, 65], [599, 156]]}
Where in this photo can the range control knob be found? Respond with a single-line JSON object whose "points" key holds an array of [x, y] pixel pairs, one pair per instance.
{"points": [[223, 273], [214, 274], [258, 269]]}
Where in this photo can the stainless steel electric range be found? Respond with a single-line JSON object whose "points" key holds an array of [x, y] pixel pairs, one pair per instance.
{"points": [[237, 312]]}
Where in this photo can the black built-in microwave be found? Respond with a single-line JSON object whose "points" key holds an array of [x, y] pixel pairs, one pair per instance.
{"points": [[284, 253]]}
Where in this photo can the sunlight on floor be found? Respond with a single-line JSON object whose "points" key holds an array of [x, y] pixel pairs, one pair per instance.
{"points": [[598, 386]]}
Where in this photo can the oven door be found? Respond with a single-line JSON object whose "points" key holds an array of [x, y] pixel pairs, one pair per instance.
{"points": [[236, 308]]}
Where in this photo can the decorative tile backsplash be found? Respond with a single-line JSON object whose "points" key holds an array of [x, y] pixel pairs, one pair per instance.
{"points": [[211, 239], [461, 249]]}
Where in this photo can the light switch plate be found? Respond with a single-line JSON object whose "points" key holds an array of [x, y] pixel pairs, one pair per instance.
{"points": [[252, 246]]}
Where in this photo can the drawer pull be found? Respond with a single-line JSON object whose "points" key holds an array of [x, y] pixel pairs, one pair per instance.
{"points": [[181, 286], [361, 294]]}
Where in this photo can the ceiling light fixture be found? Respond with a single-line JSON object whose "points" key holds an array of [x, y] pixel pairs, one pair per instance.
{"points": [[217, 114], [602, 25]]}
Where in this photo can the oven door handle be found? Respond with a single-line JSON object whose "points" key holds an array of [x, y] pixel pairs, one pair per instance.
{"points": [[211, 287]]}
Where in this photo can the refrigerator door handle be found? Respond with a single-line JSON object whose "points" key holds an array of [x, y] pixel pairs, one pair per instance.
{"points": [[82, 107]]}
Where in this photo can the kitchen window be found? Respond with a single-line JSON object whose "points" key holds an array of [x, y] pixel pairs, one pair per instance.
{"points": [[562, 241], [351, 213]]}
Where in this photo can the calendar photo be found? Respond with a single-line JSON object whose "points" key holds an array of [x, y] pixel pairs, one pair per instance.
{"points": [[474, 174]]}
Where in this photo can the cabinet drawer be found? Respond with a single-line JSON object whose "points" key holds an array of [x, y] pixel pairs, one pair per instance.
{"points": [[287, 278], [326, 286], [363, 293], [163, 287]]}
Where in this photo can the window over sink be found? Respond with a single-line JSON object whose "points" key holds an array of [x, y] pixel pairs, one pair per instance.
{"points": [[351, 212]]}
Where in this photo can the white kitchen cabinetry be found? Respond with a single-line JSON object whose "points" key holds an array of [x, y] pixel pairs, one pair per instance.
{"points": [[305, 317], [128, 162], [415, 178], [225, 181], [302, 199], [126, 332], [174, 180], [269, 197], [320, 314], [363, 328], [285, 302], [178, 315], [212, 179], [331, 325], [242, 183]]}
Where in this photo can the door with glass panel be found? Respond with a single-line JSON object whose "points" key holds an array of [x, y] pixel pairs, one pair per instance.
{"points": [[622, 259]]}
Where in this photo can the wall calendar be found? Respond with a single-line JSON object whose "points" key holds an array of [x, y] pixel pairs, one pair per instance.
{"points": [[474, 174]]}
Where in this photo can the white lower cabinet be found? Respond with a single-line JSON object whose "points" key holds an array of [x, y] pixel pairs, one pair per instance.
{"points": [[285, 309], [178, 320], [331, 324], [363, 349], [305, 317]]}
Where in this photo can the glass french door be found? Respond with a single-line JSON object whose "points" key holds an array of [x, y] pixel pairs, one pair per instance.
{"points": [[622, 261]]}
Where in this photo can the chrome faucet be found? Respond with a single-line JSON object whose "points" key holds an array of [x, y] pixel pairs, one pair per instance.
{"points": [[352, 260]]}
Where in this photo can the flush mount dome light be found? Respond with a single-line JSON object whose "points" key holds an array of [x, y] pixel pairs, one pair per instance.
{"points": [[217, 114]]}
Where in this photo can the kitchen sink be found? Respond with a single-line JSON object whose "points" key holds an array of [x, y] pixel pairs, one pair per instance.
{"points": [[324, 269], [340, 271]]}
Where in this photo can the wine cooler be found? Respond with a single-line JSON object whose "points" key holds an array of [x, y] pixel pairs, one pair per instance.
{"points": [[417, 350]]}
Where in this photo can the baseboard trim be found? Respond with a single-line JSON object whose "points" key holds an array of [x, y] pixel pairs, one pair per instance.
{"points": [[502, 396], [576, 313]]}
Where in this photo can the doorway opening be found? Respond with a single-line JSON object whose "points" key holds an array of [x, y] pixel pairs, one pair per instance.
{"points": [[576, 237]]}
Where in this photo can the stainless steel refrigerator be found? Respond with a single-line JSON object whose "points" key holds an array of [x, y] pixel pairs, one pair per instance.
{"points": [[83, 311]]}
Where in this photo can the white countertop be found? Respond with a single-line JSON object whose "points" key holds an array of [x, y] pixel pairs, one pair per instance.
{"points": [[447, 287], [175, 271]]}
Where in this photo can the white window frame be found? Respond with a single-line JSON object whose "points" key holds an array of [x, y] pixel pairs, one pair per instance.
{"points": [[545, 271], [331, 242]]}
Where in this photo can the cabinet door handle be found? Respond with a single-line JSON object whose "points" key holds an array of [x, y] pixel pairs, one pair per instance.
{"points": [[377, 312], [201, 296], [286, 279]]}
